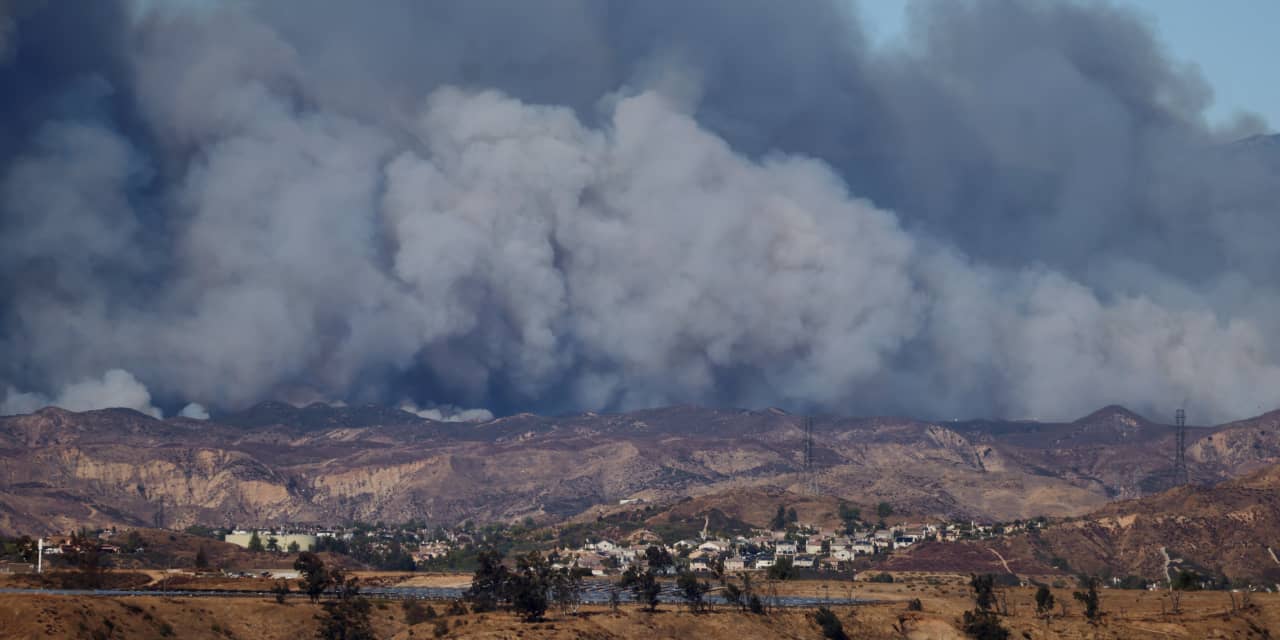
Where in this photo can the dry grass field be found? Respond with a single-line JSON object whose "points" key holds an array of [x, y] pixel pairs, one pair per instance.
{"points": [[1128, 614]]}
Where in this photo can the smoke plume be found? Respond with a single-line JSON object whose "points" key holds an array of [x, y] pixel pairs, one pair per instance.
{"points": [[1021, 211]]}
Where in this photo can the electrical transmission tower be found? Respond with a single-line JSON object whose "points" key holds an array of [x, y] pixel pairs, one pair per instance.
{"points": [[1180, 474], [810, 479]]}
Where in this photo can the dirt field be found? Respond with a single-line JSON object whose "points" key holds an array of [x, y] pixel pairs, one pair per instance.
{"points": [[1129, 614]]}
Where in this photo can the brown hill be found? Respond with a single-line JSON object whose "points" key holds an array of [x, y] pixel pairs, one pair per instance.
{"points": [[277, 464], [1231, 529]]}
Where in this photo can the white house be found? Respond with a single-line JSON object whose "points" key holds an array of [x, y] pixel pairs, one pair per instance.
{"points": [[785, 548]]}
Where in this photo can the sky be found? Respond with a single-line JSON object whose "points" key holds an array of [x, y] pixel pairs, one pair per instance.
{"points": [[1234, 42], [488, 207]]}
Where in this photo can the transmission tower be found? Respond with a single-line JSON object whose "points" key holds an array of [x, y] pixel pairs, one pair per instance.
{"points": [[1180, 473], [811, 480]]}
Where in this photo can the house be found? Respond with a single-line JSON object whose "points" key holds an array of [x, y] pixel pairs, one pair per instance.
{"points": [[803, 562], [862, 548], [905, 540], [764, 561], [785, 548], [712, 547], [736, 563], [699, 565], [843, 555], [603, 546]]}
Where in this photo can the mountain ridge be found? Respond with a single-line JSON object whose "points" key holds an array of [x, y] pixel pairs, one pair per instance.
{"points": [[323, 464]]}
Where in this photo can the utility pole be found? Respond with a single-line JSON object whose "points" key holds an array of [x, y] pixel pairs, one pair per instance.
{"points": [[40, 555], [811, 480], [1180, 474]]}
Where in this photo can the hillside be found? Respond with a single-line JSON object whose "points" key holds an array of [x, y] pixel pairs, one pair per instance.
{"points": [[275, 464], [1230, 529]]}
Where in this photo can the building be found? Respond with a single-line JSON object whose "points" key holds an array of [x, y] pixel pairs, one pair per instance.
{"points": [[305, 542]]}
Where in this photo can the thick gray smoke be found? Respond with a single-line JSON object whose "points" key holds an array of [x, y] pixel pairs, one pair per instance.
{"points": [[571, 205]]}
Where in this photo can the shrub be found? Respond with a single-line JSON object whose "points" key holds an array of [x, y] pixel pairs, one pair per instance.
{"points": [[832, 629]]}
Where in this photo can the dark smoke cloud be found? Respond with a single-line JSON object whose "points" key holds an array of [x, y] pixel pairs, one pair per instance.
{"points": [[563, 205]]}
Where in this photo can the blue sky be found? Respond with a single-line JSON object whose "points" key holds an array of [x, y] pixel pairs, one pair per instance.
{"points": [[1236, 43]]}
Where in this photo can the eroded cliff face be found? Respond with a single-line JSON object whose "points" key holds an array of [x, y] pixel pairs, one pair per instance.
{"points": [[119, 467]]}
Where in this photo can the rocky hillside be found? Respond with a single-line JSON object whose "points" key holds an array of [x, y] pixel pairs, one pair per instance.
{"points": [[276, 464]]}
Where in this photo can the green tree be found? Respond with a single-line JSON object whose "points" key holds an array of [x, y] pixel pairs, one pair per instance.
{"points": [[1089, 598], [315, 578], [732, 594], [644, 586], [273, 543], [792, 516], [782, 569], [202, 559], [348, 616], [779, 521], [529, 585], [884, 510], [658, 558], [1186, 581], [488, 584], [693, 591], [415, 613], [255, 542], [982, 622], [294, 547], [832, 628], [983, 590], [281, 590], [567, 587], [1044, 601]]}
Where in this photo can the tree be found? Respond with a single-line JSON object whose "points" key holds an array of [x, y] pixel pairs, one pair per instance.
{"points": [[273, 543], [488, 584], [884, 510], [202, 559], [281, 590], [415, 613], [983, 590], [1089, 598], [348, 617], [982, 623], [792, 516], [782, 569], [567, 587], [1044, 601], [658, 557], [1186, 581], [832, 629], [779, 521], [644, 586], [315, 578], [255, 542], [528, 586], [692, 590], [732, 594], [294, 547], [615, 598]]}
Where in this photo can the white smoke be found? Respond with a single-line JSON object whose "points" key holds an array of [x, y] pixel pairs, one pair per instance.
{"points": [[116, 388], [195, 411], [448, 413]]}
